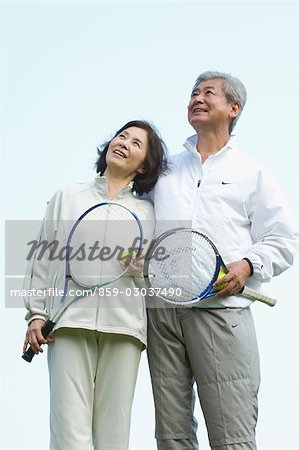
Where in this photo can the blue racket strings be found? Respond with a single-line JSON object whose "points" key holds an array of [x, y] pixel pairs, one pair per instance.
{"points": [[186, 272]]}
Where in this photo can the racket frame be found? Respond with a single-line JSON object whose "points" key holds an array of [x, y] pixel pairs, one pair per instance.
{"points": [[208, 291]]}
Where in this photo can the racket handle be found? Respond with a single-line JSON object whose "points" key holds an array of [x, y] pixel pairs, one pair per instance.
{"points": [[255, 295], [46, 330]]}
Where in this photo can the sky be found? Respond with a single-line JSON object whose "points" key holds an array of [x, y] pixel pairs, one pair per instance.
{"points": [[72, 73]]}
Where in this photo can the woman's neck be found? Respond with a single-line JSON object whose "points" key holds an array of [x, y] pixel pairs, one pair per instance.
{"points": [[115, 183]]}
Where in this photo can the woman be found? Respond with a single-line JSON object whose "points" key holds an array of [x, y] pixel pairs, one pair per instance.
{"points": [[95, 351]]}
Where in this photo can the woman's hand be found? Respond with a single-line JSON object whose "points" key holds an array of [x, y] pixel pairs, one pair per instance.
{"points": [[133, 265], [237, 275], [35, 338]]}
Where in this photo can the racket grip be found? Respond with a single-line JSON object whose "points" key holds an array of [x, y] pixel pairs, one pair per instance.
{"points": [[255, 295], [46, 330]]}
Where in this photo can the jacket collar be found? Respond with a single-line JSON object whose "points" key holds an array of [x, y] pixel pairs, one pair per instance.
{"points": [[100, 185], [191, 143]]}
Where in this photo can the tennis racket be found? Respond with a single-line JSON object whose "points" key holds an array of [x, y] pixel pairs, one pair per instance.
{"points": [[189, 267], [110, 228]]}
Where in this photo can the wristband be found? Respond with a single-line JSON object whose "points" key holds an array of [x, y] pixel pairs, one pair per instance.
{"points": [[250, 265]]}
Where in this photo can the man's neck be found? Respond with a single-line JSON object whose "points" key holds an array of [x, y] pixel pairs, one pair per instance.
{"points": [[210, 143]]}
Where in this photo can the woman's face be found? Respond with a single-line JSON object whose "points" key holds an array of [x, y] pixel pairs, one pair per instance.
{"points": [[126, 152]]}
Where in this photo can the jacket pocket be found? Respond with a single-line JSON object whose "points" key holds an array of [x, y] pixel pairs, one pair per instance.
{"points": [[53, 294]]}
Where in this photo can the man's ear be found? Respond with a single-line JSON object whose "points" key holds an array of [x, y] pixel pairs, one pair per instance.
{"points": [[235, 110]]}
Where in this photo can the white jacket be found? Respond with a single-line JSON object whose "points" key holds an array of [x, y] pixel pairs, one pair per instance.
{"points": [[121, 313], [236, 203]]}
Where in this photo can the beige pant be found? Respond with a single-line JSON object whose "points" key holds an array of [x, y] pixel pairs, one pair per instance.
{"points": [[92, 382], [217, 349]]}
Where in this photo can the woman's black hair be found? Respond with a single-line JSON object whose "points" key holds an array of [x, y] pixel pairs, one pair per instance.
{"points": [[155, 160]]}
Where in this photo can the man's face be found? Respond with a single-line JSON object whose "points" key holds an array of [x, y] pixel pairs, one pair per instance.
{"points": [[209, 108]]}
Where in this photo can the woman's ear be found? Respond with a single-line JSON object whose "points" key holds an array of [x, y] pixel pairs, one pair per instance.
{"points": [[141, 169]]}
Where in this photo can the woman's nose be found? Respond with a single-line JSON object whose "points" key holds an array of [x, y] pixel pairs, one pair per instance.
{"points": [[124, 143]]}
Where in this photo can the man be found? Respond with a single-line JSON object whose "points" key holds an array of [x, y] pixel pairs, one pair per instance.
{"points": [[221, 192]]}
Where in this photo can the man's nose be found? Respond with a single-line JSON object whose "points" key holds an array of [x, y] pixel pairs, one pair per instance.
{"points": [[198, 98]]}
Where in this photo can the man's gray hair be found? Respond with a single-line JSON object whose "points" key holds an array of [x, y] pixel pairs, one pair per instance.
{"points": [[234, 90]]}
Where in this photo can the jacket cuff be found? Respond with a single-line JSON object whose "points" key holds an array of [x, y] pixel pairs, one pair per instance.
{"points": [[30, 317]]}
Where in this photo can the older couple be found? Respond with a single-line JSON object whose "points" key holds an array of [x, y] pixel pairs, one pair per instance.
{"points": [[93, 357]]}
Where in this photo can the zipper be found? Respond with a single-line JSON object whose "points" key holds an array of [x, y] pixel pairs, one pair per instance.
{"points": [[101, 274], [197, 191]]}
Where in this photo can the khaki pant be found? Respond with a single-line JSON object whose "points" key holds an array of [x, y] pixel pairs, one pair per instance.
{"points": [[92, 382], [217, 349]]}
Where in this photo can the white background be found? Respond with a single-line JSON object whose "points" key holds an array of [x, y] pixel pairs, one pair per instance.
{"points": [[72, 74]]}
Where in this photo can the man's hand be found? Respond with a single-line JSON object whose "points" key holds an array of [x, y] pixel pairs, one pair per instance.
{"points": [[236, 278], [35, 338]]}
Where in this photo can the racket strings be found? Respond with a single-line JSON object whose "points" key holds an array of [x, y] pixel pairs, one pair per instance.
{"points": [[187, 270], [98, 242]]}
